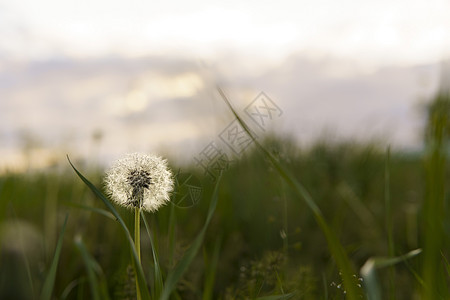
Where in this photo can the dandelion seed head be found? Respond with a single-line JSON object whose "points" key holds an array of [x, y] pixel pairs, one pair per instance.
{"points": [[140, 180]]}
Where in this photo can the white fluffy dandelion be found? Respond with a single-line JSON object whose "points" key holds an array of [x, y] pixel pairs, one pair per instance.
{"points": [[140, 181]]}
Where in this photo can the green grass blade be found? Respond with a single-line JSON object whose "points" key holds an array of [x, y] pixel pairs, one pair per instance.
{"points": [[211, 271], [158, 284], [446, 264], [176, 274], [279, 282], [98, 287], [93, 209], [387, 199], [171, 234], [435, 212], [277, 297], [25, 257], [361, 211], [49, 283], [368, 271], [80, 290], [325, 286], [389, 221], [334, 245], [145, 294], [69, 288], [92, 279]]}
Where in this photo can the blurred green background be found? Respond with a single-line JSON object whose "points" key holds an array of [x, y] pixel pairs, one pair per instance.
{"points": [[261, 241]]}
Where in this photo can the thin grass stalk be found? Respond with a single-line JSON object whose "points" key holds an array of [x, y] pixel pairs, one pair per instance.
{"points": [[50, 214], [277, 297], [137, 244], [388, 222], [336, 248], [285, 235], [92, 279], [101, 211], [69, 288], [211, 270], [25, 257], [175, 275], [158, 278], [172, 233], [325, 287], [49, 282]]}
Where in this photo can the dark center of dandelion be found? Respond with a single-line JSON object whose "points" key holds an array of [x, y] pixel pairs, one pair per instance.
{"points": [[139, 180]]}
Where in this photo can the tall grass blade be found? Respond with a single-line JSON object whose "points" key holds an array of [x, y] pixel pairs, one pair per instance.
{"points": [[210, 275], [158, 284], [334, 245], [49, 283], [25, 257], [145, 294], [361, 211], [176, 274], [368, 271], [98, 290], [434, 206], [388, 221], [325, 286], [80, 290], [172, 223], [447, 264]]}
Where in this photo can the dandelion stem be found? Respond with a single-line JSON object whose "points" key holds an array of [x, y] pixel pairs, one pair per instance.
{"points": [[137, 243]]}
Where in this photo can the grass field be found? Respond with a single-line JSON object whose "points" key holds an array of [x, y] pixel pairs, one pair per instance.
{"points": [[336, 221]]}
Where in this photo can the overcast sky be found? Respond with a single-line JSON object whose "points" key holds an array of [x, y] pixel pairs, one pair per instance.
{"points": [[144, 73], [404, 31]]}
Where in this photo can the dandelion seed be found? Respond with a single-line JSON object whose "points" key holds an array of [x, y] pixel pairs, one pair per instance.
{"points": [[140, 181]]}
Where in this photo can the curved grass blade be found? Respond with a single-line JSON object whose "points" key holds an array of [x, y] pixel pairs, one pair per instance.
{"points": [[277, 297], [69, 288], [145, 294], [91, 265], [368, 271], [103, 212], [176, 274], [158, 284], [49, 283], [336, 248], [446, 264]]}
